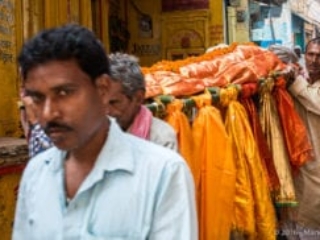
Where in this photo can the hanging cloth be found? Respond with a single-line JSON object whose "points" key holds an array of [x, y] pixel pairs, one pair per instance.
{"points": [[180, 123], [271, 128], [254, 214], [215, 171], [294, 131], [247, 91]]}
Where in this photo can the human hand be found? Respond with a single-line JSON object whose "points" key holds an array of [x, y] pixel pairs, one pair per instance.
{"points": [[28, 105], [30, 110], [290, 73]]}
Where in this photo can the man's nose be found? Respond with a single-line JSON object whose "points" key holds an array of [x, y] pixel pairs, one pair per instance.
{"points": [[50, 110], [313, 59], [110, 111]]}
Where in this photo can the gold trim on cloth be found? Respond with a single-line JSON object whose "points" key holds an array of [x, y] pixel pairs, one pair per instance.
{"points": [[254, 214], [273, 133]]}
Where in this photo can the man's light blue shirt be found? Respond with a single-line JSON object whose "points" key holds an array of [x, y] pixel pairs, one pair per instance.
{"points": [[136, 191]]}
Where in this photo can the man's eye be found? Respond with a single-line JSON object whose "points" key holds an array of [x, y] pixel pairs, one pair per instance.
{"points": [[37, 99], [64, 92], [113, 102]]}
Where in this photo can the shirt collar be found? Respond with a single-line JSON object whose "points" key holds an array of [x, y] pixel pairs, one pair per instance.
{"points": [[116, 154]]}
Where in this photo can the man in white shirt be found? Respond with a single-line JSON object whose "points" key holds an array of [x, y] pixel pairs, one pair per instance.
{"points": [[97, 182], [305, 90]]}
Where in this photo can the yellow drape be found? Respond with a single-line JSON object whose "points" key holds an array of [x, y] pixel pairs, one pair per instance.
{"points": [[179, 121], [253, 213], [273, 133], [214, 171]]}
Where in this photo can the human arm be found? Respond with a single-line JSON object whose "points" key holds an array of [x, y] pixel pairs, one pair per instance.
{"points": [[27, 113], [23, 120], [307, 94], [38, 140], [175, 211]]}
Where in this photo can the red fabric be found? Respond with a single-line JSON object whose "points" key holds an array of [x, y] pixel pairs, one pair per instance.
{"points": [[295, 133], [264, 151], [248, 89], [10, 169]]}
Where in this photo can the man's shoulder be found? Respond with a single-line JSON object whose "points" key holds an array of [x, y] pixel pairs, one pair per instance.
{"points": [[159, 122], [163, 133], [151, 150], [42, 161]]}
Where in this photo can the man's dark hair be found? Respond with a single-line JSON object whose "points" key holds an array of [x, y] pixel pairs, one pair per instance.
{"points": [[313, 41], [68, 42]]}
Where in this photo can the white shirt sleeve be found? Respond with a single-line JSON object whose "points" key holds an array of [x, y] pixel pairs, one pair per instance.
{"points": [[175, 213], [307, 94]]}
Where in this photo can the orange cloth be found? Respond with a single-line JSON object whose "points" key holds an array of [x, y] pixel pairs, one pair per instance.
{"points": [[238, 64], [246, 100], [180, 123], [295, 133], [215, 171], [253, 212]]}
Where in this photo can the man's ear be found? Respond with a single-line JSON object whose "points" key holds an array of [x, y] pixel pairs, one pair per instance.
{"points": [[139, 95], [103, 86]]}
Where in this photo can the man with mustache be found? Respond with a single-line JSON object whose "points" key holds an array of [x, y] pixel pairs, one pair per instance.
{"points": [[125, 105], [97, 182], [306, 93]]}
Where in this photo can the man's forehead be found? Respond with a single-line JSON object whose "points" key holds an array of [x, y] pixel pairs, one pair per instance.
{"points": [[313, 47]]}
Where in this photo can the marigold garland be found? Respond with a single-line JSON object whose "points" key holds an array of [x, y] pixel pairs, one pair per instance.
{"points": [[174, 66]]}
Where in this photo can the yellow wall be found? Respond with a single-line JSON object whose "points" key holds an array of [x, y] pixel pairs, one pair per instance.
{"points": [[147, 48], [10, 41], [216, 25], [184, 33], [39, 14], [19, 20], [151, 49]]}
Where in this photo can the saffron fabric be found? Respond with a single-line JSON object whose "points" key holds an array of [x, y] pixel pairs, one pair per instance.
{"points": [[265, 154], [180, 123], [136, 190], [253, 212], [214, 171]]}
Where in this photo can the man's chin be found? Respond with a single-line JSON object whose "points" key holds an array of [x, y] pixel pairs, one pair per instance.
{"points": [[314, 71], [314, 75], [62, 145]]}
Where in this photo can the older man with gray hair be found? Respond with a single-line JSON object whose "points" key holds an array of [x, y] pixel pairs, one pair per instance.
{"points": [[126, 103]]}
